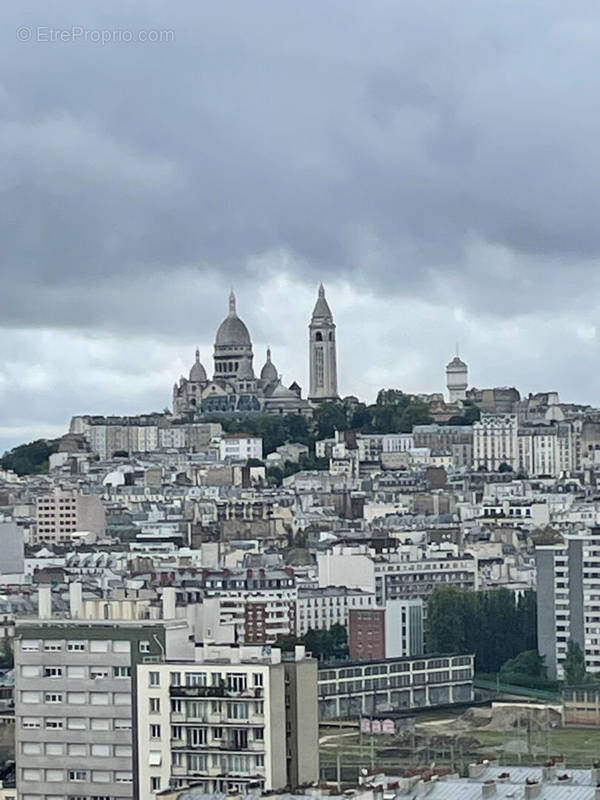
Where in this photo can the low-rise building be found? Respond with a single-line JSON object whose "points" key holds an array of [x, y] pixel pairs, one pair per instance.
{"points": [[355, 688]]}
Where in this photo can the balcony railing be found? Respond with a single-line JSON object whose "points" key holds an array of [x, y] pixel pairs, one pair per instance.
{"points": [[222, 691]]}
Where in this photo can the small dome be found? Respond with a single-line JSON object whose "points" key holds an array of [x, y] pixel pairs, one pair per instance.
{"points": [[268, 373], [232, 332], [197, 372], [456, 363]]}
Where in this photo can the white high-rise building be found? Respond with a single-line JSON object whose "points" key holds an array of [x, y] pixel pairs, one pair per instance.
{"points": [[234, 717], [568, 605]]}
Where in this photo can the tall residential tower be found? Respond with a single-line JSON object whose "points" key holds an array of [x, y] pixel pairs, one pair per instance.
{"points": [[323, 367]]}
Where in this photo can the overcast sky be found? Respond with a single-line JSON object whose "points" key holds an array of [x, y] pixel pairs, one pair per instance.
{"points": [[436, 164]]}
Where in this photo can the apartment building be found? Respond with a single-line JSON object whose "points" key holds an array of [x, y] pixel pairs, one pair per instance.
{"points": [[61, 514], [232, 719], [357, 688], [415, 574], [394, 631], [495, 442], [240, 447], [75, 701], [260, 604], [568, 586], [322, 607]]}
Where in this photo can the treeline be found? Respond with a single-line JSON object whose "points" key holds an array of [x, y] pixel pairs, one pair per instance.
{"points": [[29, 459], [325, 645], [492, 624], [393, 412]]}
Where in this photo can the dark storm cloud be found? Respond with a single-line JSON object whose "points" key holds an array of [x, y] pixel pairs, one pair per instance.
{"points": [[437, 163], [375, 142]]}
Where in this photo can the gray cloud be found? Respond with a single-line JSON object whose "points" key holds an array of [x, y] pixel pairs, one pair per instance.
{"points": [[445, 156]]}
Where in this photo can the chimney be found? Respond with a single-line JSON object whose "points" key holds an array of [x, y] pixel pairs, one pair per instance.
{"points": [[476, 770], [75, 600], [488, 788], [532, 789], [168, 602], [45, 602], [548, 771]]}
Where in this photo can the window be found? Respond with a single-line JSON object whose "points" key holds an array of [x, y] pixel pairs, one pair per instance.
{"points": [[99, 698], [100, 776], [31, 748], [121, 647], [76, 646], [122, 698], [122, 724], [154, 758], [100, 646], [53, 697], [29, 645], [154, 784], [55, 749], [31, 775], [100, 724], [54, 723], [78, 750], [77, 775], [122, 672], [101, 750], [30, 671], [54, 775], [31, 697], [76, 724], [97, 673], [52, 647], [155, 731], [155, 705], [154, 679], [123, 750], [123, 777], [144, 646], [76, 698], [31, 722], [76, 672], [53, 672]]}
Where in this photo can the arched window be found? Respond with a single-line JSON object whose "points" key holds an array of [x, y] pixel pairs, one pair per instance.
{"points": [[331, 336], [318, 336]]}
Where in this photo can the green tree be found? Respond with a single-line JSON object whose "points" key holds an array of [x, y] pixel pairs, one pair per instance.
{"points": [[29, 459], [529, 662], [329, 417], [574, 664], [491, 624]]}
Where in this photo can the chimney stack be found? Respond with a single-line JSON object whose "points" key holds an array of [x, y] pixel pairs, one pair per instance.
{"points": [[75, 600], [45, 602], [168, 602]]}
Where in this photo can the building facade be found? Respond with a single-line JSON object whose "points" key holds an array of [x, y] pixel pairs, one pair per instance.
{"points": [[59, 515], [235, 717], [356, 688], [568, 576]]}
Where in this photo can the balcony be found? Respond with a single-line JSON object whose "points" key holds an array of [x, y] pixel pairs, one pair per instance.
{"points": [[222, 691]]}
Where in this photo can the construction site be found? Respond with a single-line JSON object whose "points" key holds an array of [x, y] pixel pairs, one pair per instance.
{"points": [[507, 732]]}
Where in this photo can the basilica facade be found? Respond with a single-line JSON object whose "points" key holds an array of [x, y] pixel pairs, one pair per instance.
{"points": [[235, 388]]}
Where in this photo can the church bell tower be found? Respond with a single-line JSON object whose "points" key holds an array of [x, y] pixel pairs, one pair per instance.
{"points": [[323, 367]]}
